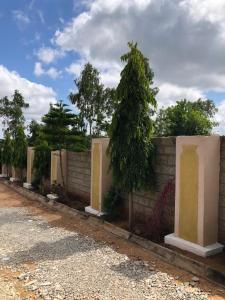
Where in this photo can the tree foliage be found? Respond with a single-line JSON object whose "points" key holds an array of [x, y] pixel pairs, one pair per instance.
{"points": [[94, 102], [57, 129], [42, 163], [7, 151], [35, 131], [58, 123], [186, 118], [130, 144], [11, 111], [20, 149]]}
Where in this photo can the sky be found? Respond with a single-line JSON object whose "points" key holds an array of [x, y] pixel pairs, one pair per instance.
{"points": [[45, 44]]}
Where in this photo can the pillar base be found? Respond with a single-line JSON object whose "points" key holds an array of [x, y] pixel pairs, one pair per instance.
{"points": [[52, 197], [27, 185], [3, 175], [13, 179], [93, 211], [172, 239]]}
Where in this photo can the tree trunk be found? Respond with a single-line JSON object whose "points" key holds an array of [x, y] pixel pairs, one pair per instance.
{"points": [[21, 175], [130, 211], [90, 130]]}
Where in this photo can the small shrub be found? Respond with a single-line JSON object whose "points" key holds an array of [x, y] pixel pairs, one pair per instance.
{"points": [[42, 163], [156, 226]]}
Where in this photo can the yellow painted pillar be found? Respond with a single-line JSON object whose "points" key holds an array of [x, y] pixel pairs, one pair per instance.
{"points": [[15, 174], [6, 172], [29, 171], [56, 175], [197, 195], [101, 178]]}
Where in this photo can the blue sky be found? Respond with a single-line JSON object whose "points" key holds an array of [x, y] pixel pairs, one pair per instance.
{"points": [[22, 39], [45, 44]]}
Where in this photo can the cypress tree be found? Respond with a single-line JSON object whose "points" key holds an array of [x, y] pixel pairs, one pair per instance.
{"points": [[130, 146]]}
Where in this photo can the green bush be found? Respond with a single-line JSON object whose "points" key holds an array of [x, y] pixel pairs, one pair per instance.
{"points": [[42, 164]]}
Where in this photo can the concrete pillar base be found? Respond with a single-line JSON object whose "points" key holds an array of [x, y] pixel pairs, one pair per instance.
{"points": [[93, 211], [27, 185], [3, 175], [172, 239], [13, 179], [52, 197]]}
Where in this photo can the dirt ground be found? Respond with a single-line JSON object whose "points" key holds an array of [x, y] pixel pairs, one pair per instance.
{"points": [[9, 198]]}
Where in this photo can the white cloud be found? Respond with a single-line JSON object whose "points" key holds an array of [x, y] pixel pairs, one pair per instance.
{"points": [[48, 55], [220, 118], [76, 68], [169, 94], [38, 70], [21, 18], [37, 95], [184, 39], [51, 72]]}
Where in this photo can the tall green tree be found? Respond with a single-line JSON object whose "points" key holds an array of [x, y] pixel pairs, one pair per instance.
{"points": [[88, 99], [20, 150], [95, 103], [57, 129], [11, 111], [130, 146], [186, 118], [104, 117], [35, 130], [7, 151]]}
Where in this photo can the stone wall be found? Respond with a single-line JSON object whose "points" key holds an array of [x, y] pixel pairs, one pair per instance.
{"points": [[79, 182], [144, 202], [222, 192], [79, 173]]}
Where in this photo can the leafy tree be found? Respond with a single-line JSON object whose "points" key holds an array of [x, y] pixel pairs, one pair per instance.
{"points": [[11, 111], [20, 150], [106, 111], [130, 146], [95, 103], [35, 130], [88, 99], [186, 118], [57, 129], [7, 151]]}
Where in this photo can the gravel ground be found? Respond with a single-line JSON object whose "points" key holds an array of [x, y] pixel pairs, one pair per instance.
{"points": [[7, 291], [68, 265]]}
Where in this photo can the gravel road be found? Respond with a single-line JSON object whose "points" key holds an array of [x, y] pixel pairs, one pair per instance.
{"points": [[69, 265]]}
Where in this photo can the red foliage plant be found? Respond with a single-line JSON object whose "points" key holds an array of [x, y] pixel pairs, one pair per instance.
{"points": [[157, 223]]}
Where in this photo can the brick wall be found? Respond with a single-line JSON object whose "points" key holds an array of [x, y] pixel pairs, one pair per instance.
{"points": [[222, 192], [145, 201], [79, 173]]}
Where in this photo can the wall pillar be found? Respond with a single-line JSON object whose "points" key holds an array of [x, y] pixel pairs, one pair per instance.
{"points": [[101, 178], [4, 171], [30, 161], [56, 176], [197, 195]]}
